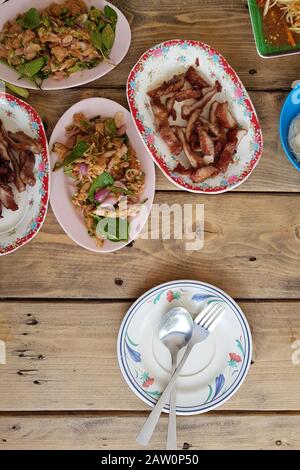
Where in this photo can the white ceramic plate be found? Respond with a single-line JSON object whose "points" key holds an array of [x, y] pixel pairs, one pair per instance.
{"points": [[215, 368], [67, 215], [19, 227], [12, 8], [171, 58]]}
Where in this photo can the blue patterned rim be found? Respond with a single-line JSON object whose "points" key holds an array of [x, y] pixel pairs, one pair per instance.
{"points": [[240, 376]]}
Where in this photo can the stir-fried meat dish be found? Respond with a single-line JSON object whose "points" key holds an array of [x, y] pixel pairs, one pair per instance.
{"points": [[17, 162], [209, 138], [107, 175], [59, 40]]}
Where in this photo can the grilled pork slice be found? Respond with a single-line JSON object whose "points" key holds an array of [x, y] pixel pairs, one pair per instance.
{"points": [[194, 159], [20, 141], [186, 110], [193, 77], [27, 161], [7, 197], [202, 174], [172, 86], [163, 127], [224, 116]]}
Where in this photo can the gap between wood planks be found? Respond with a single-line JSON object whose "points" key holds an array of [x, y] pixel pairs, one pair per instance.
{"points": [[132, 414], [76, 300]]}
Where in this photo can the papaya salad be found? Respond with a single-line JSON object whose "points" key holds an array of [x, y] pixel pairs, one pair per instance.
{"points": [[58, 41], [107, 175]]}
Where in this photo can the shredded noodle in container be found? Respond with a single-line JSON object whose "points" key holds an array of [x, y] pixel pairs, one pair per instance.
{"points": [[294, 137]]}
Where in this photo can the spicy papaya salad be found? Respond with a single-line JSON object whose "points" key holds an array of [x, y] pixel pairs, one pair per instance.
{"points": [[107, 175]]}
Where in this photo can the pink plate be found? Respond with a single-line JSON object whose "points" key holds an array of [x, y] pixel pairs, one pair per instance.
{"points": [[163, 61], [67, 215], [18, 227]]}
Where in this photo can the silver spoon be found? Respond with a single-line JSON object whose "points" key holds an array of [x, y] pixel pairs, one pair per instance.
{"points": [[175, 331]]}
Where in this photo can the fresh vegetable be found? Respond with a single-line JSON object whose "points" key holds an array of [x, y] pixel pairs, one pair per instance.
{"points": [[111, 14], [83, 168], [108, 37], [113, 229], [101, 181], [117, 189], [101, 195], [23, 92], [110, 127], [30, 69], [30, 20], [77, 152]]}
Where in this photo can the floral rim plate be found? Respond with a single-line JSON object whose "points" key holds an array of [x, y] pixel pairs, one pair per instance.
{"points": [[19, 227], [172, 57], [62, 188], [215, 369], [10, 9]]}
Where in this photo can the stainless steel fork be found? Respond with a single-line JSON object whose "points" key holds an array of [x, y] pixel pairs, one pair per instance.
{"points": [[204, 324]]}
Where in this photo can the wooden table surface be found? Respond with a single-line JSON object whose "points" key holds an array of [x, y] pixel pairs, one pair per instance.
{"points": [[61, 306]]}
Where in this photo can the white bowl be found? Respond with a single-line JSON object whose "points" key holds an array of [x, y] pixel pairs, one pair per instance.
{"points": [[62, 189], [215, 369], [11, 9]]}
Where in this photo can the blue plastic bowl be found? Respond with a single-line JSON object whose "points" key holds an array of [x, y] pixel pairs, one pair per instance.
{"points": [[290, 110]]}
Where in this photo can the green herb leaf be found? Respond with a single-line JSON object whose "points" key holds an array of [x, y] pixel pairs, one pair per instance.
{"points": [[113, 229], [76, 67], [77, 152], [116, 189], [111, 14], [30, 20], [102, 181], [69, 172], [96, 219], [94, 14], [45, 21], [87, 126], [110, 127], [30, 69], [96, 39], [108, 37], [100, 24]]}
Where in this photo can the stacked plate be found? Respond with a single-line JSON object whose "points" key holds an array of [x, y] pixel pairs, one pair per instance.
{"points": [[215, 368]]}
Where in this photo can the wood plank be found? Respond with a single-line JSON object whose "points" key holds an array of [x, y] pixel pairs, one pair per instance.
{"points": [[205, 432], [224, 24], [251, 250], [274, 172], [62, 356]]}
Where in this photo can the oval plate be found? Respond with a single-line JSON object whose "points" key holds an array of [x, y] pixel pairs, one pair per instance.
{"points": [[215, 368], [171, 58], [19, 227], [11, 9], [67, 215]]}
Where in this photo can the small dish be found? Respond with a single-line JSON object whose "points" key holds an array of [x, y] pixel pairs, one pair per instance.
{"points": [[66, 213], [173, 57], [215, 369], [11, 9], [19, 227], [290, 109], [265, 49]]}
